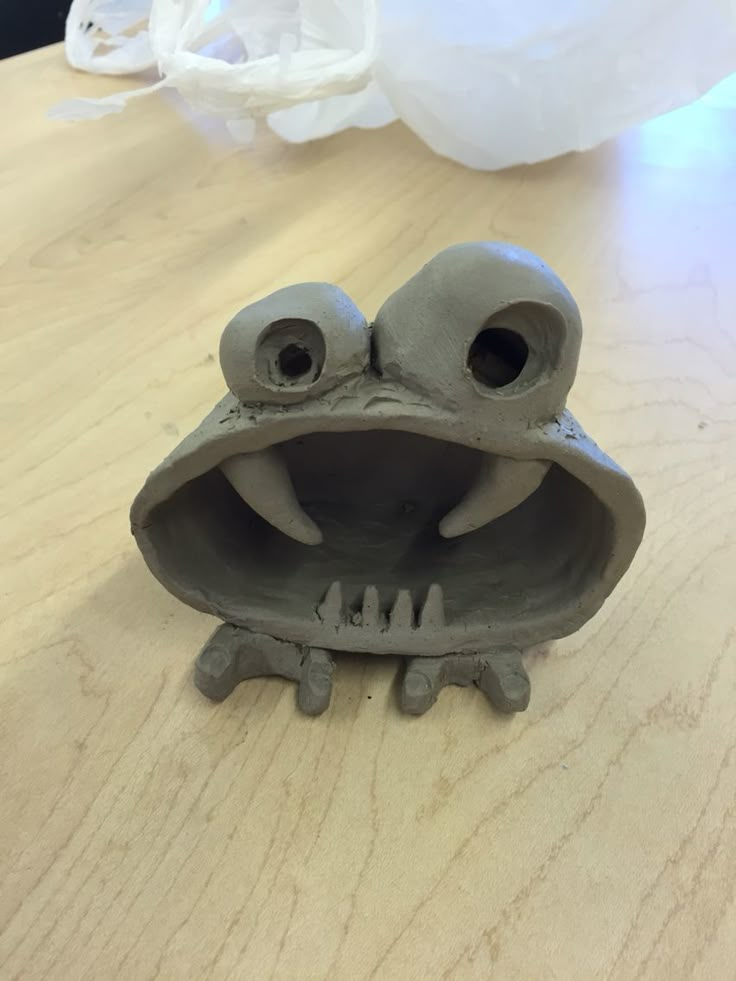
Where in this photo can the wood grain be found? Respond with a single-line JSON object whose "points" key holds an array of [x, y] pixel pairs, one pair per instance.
{"points": [[144, 832]]}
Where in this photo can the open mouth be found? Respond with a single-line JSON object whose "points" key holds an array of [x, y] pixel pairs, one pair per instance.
{"points": [[374, 505]]}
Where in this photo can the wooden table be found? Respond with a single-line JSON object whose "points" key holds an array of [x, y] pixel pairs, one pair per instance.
{"points": [[147, 833]]}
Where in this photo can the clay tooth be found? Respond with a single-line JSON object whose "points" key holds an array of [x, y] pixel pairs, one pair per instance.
{"points": [[370, 612], [262, 480], [402, 612], [433, 611], [331, 610], [501, 485]]}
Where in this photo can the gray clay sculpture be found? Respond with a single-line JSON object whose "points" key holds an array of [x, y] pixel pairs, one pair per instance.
{"points": [[413, 487]]}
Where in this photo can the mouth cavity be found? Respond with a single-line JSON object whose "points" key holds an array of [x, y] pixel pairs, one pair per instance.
{"points": [[263, 481], [382, 528]]}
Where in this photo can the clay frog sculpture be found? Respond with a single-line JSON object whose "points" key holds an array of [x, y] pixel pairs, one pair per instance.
{"points": [[412, 487]]}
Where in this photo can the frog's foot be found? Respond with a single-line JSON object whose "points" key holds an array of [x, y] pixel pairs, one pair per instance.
{"points": [[504, 680], [232, 655], [315, 681], [500, 675], [424, 679]]}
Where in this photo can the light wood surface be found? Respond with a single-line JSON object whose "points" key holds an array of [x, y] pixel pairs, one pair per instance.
{"points": [[147, 833]]}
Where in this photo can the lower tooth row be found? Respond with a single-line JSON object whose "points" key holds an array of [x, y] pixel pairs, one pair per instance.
{"points": [[333, 612]]}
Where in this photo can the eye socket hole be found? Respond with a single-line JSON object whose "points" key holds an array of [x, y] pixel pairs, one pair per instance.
{"points": [[497, 356], [295, 361], [290, 353]]}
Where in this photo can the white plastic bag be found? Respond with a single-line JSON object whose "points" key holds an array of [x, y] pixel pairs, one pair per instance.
{"points": [[486, 82]]}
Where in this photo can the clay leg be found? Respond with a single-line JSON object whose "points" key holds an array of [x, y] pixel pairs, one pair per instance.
{"points": [[315, 683], [232, 655], [425, 677], [504, 681], [500, 675], [216, 670]]}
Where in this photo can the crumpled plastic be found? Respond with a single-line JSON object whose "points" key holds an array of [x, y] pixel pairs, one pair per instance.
{"points": [[485, 82]]}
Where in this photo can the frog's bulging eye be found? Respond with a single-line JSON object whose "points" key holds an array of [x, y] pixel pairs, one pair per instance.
{"points": [[290, 353], [483, 324], [517, 350], [295, 361], [294, 344], [497, 357]]}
